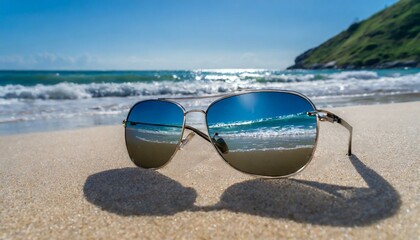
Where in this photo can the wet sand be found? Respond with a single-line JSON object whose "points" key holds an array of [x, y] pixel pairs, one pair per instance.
{"points": [[82, 184]]}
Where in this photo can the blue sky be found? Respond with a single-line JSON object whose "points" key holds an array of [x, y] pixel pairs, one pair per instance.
{"points": [[158, 34]]}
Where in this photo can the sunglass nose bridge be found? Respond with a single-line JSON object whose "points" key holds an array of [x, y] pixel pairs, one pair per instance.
{"points": [[195, 110]]}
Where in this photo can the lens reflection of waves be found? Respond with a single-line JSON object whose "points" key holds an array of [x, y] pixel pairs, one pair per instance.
{"points": [[159, 134], [292, 120], [274, 143], [276, 133], [153, 139], [271, 149]]}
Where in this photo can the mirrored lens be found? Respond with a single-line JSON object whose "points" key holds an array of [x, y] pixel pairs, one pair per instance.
{"points": [[264, 133], [153, 131]]}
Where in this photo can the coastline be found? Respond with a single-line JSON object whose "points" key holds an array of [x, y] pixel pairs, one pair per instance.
{"points": [[81, 184], [48, 101]]}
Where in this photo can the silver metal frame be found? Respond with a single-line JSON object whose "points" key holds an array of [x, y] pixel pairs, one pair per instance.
{"points": [[325, 115], [322, 115]]}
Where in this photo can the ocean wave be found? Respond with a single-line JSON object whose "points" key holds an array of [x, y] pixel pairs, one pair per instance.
{"points": [[72, 91], [44, 99], [353, 75], [190, 83]]}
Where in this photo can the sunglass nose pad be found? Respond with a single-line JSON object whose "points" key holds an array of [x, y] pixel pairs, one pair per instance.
{"points": [[185, 140], [220, 143]]}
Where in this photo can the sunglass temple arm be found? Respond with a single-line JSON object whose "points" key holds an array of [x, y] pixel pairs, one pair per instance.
{"points": [[199, 133], [325, 115]]}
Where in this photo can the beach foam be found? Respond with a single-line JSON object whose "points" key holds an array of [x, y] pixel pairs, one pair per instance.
{"points": [[27, 96]]}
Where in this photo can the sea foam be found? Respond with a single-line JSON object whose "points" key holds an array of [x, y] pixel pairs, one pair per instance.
{"points": [[314, 85], [26, 96]]}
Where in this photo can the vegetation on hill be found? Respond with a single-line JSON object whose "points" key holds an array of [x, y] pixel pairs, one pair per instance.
{"points": [[388, 39]]}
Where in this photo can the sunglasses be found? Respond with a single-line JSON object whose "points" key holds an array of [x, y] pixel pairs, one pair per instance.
{"points": [[266, 133]]}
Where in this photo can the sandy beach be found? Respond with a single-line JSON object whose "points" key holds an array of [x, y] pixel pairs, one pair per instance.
{"points": [[82, 184]]}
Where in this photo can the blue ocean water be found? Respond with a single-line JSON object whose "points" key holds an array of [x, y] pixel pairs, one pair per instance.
{"points": [[52, 100]]}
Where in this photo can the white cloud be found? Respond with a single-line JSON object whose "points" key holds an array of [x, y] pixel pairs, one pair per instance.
{"points": [[176, 59], [46, 61], [60, 61], [11, 59]]}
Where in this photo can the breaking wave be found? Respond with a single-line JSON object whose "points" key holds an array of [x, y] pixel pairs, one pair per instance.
{"points": [[202, 83], [45, 95]]}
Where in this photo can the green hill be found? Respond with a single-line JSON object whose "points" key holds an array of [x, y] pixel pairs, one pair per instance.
{"points": [[388, 39]]}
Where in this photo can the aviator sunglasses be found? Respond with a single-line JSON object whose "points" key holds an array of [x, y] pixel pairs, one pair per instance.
{"points": [[266, 132]]}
